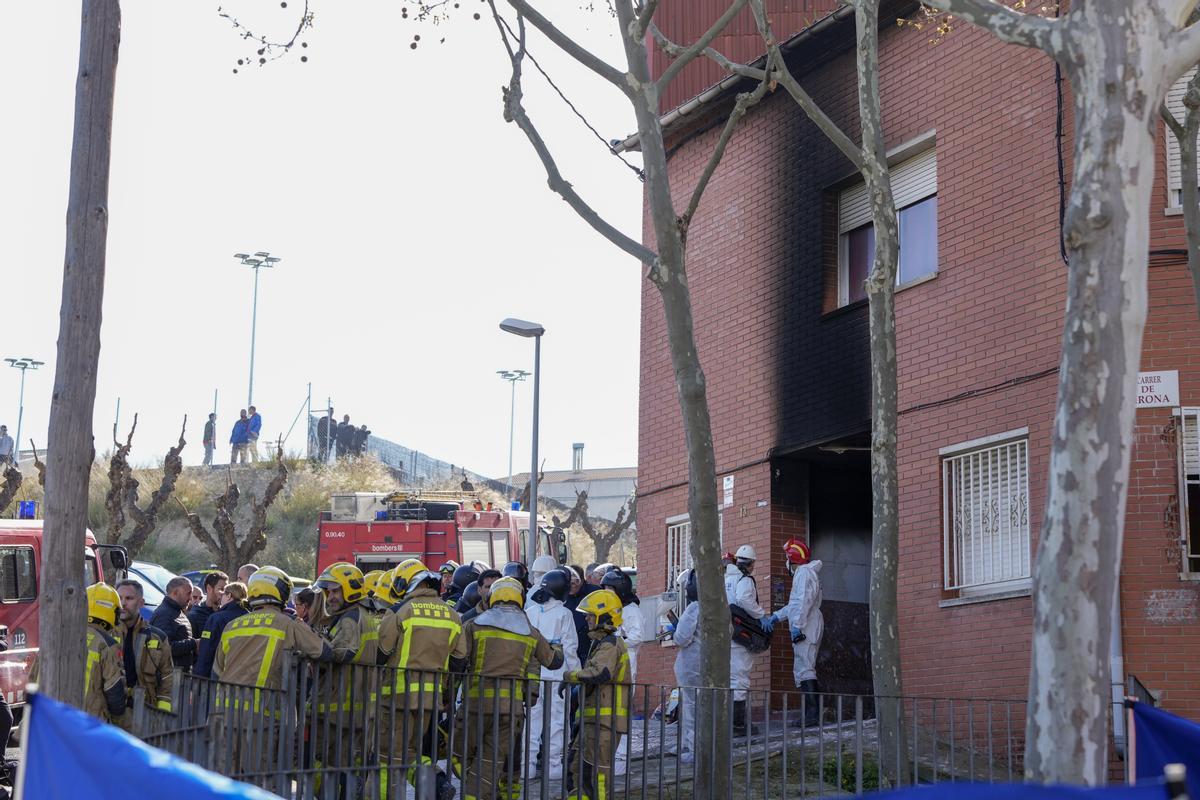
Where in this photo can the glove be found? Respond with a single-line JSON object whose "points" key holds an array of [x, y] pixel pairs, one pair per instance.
{"points": [[669, 629], [768, 623], [798, 636]]}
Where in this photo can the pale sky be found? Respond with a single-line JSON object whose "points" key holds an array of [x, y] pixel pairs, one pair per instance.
{"points": [[409, 216]]}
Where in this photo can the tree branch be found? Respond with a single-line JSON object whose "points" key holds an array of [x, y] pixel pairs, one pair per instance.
{"points": [[256, 539], [645, 18], [1007, 25], [732, 67], [781, 72], [12, 483], [1173, 125], [684, 58], [744, 102], [514, 111], [201, 533], [38, 464], [570, 46], [147, 520]]}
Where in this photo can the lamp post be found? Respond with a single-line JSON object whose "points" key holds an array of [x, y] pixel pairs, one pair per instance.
{"points": [[531, 330], [256, 262], [24, 364], [512, 376]]}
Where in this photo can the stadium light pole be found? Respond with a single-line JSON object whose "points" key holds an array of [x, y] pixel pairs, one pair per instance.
{"points": [[512, 376], [256, 262], [531, 330], [25, 363]]}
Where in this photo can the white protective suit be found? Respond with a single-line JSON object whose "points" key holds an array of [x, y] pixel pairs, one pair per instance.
{"points": [[803, 611], [687, 671], [556, 623], [741, 590], [631, 632]]}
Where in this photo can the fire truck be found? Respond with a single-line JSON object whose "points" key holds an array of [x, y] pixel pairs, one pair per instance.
{"points": [[377, 530]]}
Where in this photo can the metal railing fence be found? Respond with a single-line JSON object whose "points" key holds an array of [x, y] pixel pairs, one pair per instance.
{"points": [[341, 731]]}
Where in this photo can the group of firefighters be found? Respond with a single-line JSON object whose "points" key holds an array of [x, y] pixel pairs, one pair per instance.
{"points": [[470, 651]]}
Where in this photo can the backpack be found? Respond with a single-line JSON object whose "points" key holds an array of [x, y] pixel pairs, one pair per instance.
{"points": [[747, 631]]}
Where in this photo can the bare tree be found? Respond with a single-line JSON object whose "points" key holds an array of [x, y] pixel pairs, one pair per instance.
{"points": [[63, 612], [10, 487], [1121, 57], [226, 549], [118, 469], [146, 519], [603, 535], [1185, 132]]}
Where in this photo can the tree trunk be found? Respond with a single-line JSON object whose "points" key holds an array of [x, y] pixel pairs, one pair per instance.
{"points": [[670, 278], [885, 484], [70, 447], [1115, 58]]}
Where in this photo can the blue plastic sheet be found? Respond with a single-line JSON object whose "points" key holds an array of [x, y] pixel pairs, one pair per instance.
{"points": [[1161, 738]]}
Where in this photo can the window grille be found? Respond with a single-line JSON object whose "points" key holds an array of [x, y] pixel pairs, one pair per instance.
{"points": [[1175, 105], [1189, 487], [986, 517]]}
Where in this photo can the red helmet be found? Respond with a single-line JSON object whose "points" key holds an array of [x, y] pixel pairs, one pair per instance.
{"points": [[797, 552]]}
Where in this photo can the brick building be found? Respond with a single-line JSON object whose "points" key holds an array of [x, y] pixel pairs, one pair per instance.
{"points": [[775, 256]]}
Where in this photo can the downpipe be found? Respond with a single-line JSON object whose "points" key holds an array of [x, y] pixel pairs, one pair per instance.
{"points": [[1116, 667]]}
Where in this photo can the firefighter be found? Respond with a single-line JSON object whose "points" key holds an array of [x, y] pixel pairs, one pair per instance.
{"points": [[805, 624], [145, 651], [630, 632], [103, 679], [446, 571], [604, 713], [421, 639], [462, 577], [556, 623], [741, 590], [253, 651], [344, 692], [503, 651], [370, 584]]}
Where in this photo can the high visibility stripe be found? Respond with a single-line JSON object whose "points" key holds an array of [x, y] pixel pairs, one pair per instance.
{"points": [[274, 637], [93, 660], [163, 705]]}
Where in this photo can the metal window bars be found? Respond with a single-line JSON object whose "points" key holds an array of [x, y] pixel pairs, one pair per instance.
{"points": [[338, 731]]}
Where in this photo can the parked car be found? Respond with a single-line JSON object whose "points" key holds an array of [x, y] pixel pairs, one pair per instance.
{"points": [[154, 579]]}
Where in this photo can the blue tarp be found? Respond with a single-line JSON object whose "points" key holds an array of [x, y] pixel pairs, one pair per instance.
{"points": [[1026, 791], [71, 755], [1161, 738]]}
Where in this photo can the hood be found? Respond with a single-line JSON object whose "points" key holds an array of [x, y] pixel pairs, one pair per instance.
{"points": [[731, 571], [506, 618], [815, 564]]}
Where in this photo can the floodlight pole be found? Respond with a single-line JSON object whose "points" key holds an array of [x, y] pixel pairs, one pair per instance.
{"points": [[24, 364], [531, 330], [256, 262]]}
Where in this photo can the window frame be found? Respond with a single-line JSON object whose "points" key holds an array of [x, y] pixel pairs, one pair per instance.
{"points": [[1189, 540], [14, 549], [952, 584], [1174, 104]]}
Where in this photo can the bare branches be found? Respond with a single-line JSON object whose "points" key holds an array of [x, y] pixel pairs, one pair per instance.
{"points": [[686, 56], [269, 49], [199, 531], [514, 111], [732, 67], [1185, 49], [645, 19], [1009, 25], [118, 475], [744, 102], [10, 487], [781, 72], [256, 539], [570, 46], [146, 520], [603, 536], [39, 465]]}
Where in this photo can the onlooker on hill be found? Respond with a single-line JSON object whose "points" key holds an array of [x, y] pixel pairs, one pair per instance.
{"points": [[210, 439], [214, 586], [253, 429], [169, 618], [239, 438], [326, 435], [345, 437], [360, 440], [6, 446]]}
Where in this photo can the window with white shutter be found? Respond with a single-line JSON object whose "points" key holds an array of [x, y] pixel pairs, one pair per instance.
{"points": [[985, 497], [679, 546], [1176, 107], [914, 187], [1189, 488]]}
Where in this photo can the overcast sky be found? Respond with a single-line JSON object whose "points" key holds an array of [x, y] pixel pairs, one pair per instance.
{"points": [[410, 219]]}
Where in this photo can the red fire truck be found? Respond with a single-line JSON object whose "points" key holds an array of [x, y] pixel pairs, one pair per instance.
{"points": [[20, 571], [377, 530]]}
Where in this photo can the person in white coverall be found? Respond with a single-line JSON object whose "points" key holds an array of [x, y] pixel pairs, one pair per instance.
{"points": [[541, 565], [631, 631], [686, 636], [741, 590], [805, 623], [555, 622]]}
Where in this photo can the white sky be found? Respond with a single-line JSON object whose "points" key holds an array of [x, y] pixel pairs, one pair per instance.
{"points": [[409, 216]]}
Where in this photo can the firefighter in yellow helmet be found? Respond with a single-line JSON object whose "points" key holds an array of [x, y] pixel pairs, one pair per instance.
{"points": [[504, 650], [104, 678], [421, 639], [604, 711], [252, 653], [372, 602], [345, 690]]}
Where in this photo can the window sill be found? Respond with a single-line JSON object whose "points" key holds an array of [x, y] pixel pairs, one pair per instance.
{"points": [[864, 302], [986, 598], [1173, 211], [1190, 577]]}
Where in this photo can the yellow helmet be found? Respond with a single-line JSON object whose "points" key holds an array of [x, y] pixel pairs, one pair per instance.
{"points": [[382, 591], [371, 582], [346, 577], [506, 590], [269, 585], [403, 575], [601, 604], [103, 602]]}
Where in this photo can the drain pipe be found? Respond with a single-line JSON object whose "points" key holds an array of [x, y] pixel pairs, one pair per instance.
{"points": [[1116, 666]]}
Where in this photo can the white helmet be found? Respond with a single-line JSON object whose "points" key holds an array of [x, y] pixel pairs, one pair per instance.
{"points": [[543, 564], [746, 553]]}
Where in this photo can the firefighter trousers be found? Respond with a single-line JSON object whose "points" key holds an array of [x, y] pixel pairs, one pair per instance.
{"points": [[591, 773], [490, 744]]}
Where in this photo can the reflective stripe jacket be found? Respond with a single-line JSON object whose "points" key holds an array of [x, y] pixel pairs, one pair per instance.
{"points": [[419, 638], [103, 679], [152, 658], [606, 678], [503, 649], [354, 639], [252, 647]]}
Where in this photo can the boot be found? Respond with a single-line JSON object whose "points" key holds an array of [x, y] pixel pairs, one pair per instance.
{"points": [[740, 728], [812, 703], [443, 789]]}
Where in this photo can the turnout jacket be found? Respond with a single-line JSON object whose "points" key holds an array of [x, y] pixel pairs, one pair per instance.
{"points": [[103, 678], [152, 662], [353, 639], [253, 646], [606, 680], [505, 651], [419, 638]]}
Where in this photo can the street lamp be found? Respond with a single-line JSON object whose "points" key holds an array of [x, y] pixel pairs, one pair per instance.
{"points": [[512, 376], [256, 262], [24, 363], [531, 330]]}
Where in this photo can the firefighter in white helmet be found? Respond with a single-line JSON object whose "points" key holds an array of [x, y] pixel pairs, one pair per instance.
{"points": [[741, 590]]}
